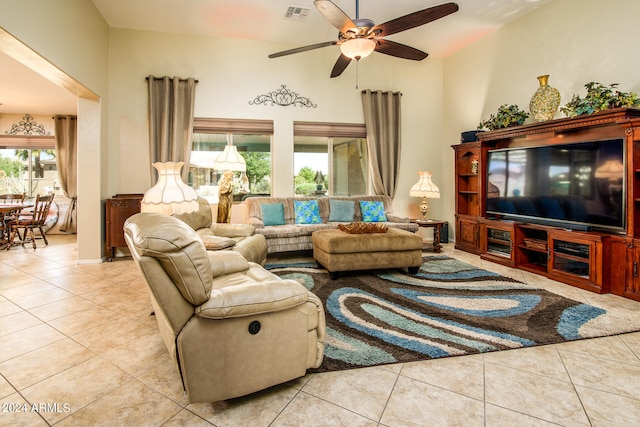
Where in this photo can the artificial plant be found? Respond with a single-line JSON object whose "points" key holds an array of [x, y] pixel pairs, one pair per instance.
{"points": [[507, 116], [599, 98]]}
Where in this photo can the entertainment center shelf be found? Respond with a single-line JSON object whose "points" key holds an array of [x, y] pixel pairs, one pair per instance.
{"points": [[581, 226]]}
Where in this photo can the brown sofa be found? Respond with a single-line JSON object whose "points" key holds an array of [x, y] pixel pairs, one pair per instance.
{"points": [[296, 237], [231, 327]]}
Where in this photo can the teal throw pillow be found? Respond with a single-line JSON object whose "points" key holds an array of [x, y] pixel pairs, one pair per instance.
{"points": [[272, 213], [307, 212], [372, 211], [341, 210]]}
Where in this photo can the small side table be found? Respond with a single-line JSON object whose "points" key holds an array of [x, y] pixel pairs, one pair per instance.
{"points": [[436, 225]]}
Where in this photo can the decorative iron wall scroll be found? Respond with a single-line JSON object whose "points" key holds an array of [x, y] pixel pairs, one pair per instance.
{"points": [[283, 97], [27, 126]]}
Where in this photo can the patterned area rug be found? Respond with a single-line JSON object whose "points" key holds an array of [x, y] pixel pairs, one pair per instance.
{"points": [[449, 308]]}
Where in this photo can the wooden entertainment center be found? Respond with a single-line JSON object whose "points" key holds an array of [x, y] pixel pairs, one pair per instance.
{"points": [[599, 261]]}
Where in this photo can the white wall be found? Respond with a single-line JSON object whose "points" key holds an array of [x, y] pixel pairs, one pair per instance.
{"points": [[232, 72], [574, 41], [72, 35]]}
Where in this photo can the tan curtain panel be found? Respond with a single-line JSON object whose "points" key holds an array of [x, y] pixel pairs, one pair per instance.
{"points": [[382, 120], [171, 105], [67, 163]]}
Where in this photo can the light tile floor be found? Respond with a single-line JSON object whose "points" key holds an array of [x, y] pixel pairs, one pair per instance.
{"points": [[78, 347]]}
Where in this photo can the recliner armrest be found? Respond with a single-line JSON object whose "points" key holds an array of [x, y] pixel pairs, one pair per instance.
{"points": [[253, 298], [232, 230], [226, 262]]}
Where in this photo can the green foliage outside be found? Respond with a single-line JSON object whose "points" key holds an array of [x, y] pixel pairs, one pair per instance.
{"points": [[10, 167], [258, 172], [305, 183], [10, 176]]}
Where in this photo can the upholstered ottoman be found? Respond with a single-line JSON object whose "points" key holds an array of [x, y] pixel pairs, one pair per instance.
{"points": [[338, 251]]}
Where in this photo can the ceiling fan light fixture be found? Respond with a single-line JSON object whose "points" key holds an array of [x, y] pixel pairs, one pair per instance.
{"points": [[357, 48]]}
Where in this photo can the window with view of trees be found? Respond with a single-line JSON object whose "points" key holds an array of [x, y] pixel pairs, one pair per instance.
{"points": [[330, 159], [29, 171], [252, 138]]}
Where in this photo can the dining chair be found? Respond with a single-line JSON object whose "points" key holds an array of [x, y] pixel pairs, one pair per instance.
{"points": [[11, 198], [28, 221]]}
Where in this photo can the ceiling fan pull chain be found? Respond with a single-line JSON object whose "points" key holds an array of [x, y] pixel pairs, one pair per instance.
{"points": [[357, 62]]}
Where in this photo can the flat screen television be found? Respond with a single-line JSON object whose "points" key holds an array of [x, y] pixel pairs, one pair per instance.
{"points": [[576, 186]]}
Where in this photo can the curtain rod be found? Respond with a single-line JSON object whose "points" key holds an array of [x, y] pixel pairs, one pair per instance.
{"points": [[161, 78], [381, 91]]}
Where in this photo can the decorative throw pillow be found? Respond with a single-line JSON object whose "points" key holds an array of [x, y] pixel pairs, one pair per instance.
{"points": [[215, 243], [307, 212], [363, 228], [272, 213], [341, 210], [372, 211]]}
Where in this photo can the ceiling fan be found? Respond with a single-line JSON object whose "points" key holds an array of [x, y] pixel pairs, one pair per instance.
{"points": [[359, 37]]}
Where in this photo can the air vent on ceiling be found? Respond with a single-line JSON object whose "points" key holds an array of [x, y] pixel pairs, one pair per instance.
{"points": [[296, 13]]}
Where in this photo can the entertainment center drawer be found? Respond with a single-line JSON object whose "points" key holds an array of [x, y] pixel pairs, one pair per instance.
{"points": [[496, 241], [572, 257]]}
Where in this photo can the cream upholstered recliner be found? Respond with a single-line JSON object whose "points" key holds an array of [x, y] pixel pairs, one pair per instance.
{"points": [[237, 237], [231, 327]]}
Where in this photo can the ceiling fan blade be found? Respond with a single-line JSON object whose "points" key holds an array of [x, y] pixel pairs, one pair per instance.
{"points": [[302, 49], [335, 15], [340, 66], [399, 50], [414, 19]]}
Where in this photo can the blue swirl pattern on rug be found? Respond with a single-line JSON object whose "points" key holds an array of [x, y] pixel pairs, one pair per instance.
{"points": [[520, 303], [573, 318], [411, 329], [449, 308]]}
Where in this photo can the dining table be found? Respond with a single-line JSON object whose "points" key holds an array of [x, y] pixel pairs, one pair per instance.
{"points": [[7, 209]]}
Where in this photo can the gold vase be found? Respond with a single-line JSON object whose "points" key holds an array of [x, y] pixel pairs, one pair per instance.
{"points": [[545, 102]]}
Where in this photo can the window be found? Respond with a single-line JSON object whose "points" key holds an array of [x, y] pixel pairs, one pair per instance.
{"points": [[28, 165], [330, 159], [252, 138]]}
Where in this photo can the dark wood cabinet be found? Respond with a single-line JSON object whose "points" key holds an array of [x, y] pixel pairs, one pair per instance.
{"points": [[622, 266], [467, 233], [597, 261], [117, 210], [496, 241], [467, 187], [576, 258], [572, 257]]}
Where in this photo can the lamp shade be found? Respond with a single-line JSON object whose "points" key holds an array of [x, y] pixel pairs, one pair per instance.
{"points": [[170, 195], [611, 170], [230, 160], [357, 48], [425, 187]]}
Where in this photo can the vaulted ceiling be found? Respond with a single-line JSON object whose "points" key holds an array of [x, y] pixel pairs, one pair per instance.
{"points": [[24, 91]]}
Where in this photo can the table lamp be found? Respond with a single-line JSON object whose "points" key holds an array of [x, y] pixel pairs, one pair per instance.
{"points": [[170, 195], [424, 188], [229, 160]]}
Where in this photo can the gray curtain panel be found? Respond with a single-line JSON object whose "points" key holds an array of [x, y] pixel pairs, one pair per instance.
{"points": [[66, 129], [382, 120], [171, 104]]}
